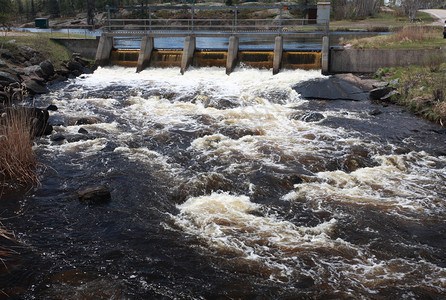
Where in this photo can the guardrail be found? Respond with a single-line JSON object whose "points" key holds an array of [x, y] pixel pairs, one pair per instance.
{"points": [[216, 25], [116, 20]]}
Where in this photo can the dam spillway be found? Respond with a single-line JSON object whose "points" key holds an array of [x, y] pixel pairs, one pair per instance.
{"points": [[231, 28], [302, 59]]}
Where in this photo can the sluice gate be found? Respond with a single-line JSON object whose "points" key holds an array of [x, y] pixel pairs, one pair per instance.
{"points": [[307, 60]]}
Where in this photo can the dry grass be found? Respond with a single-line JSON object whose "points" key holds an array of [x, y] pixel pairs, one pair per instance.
{"points": [[17, 159], [409, 37], [8, 235], [414, 33]]}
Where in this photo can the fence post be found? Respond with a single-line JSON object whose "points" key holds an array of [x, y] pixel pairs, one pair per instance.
{"points": [[192, 25], [108, 17], [235, 19], [150, 18], [280, 21]]}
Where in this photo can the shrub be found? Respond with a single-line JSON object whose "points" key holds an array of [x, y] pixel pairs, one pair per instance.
{"points": [[434, 61]]}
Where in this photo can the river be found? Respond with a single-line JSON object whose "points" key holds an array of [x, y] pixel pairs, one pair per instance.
{"points": [[221, 190]]}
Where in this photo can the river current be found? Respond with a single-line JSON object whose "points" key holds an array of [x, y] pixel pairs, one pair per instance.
{"points": [[224, 188]]}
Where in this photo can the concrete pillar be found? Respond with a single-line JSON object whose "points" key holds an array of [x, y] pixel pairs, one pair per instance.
{"points": [[231, 59], [325, 55], [145, 52], [323, 12], [278, 50], [104, 48], [188, 53]]}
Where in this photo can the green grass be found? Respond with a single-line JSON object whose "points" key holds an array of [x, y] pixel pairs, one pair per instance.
{"points": [[40, 42], [422, 89]]}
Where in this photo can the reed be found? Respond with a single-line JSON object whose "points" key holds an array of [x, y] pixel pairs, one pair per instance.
{"points": [[17, 158], [414, 33], [5, 235]]}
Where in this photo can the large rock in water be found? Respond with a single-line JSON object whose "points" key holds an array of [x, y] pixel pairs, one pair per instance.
{"points": [[330, 89], [95, 195]]}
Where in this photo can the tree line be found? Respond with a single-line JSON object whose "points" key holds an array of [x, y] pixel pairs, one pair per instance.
{"points": [[27, 10]]}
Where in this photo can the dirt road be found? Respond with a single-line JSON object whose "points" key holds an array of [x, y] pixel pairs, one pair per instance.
{"points": [[439, 14]]}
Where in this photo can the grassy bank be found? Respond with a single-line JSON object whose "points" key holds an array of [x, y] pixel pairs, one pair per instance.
{"points": [[422, 89], [384, 21], [40, 42], [409, 37]]}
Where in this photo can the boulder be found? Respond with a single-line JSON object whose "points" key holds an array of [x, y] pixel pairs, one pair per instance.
{"points": [[73, 65], [6, 53], [39, 121], [47, 68], [378, 93], [8, 77], [88, 121], [330, 89], [34, 87], [51, 107], [58, 138], [82, 131], [311, 117], [3, 64], [95, 195], [380, 84], [390, 96], [34, 70], [375, 112]]}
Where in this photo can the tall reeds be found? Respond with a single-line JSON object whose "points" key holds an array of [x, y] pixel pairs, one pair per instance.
{"points": [[414, 33], [17, 159]]}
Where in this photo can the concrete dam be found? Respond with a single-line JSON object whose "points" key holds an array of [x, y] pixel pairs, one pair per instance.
{"points": [[232, 29], [261, 59]]}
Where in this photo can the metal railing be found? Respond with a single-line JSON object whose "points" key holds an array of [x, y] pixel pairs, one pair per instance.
{"points": [[191, 22], [215, 25]]}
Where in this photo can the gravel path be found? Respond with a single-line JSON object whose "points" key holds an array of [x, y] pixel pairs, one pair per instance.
{"points": [[439, 14]]}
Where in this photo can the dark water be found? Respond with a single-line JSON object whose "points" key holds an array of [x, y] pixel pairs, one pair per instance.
{"points": [[221, 191]]}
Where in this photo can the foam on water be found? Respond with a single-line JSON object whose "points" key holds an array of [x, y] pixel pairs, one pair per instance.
{"points": [[403, 185], [235, 125], [232, 224]]}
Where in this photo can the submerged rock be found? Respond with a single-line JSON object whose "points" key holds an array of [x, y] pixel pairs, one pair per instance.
{"points": [[88, 121], [95, 195], [307, 116]]}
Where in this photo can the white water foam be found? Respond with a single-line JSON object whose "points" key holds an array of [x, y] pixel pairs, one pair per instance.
{"points": [[226, 223], [409, 186]]}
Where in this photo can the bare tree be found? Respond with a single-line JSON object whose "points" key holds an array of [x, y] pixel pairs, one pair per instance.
{"points": [[410, 7], [355, 8]]}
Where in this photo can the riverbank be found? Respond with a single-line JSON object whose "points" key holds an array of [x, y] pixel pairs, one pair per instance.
{"points": [[421, 89], [26, 69]]}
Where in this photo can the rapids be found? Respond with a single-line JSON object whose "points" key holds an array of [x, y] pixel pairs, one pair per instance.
{"points": [[220, 189]]}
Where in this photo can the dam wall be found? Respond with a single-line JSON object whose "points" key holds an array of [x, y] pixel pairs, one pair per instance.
{"points": [[147, 56], [330, 60], [86, 47], [370, 60]]}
